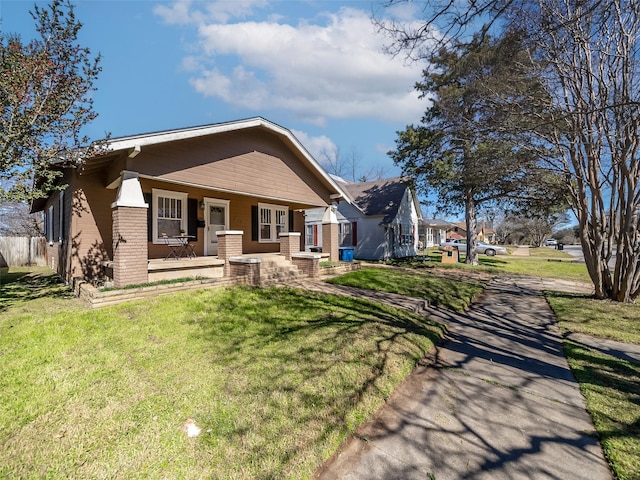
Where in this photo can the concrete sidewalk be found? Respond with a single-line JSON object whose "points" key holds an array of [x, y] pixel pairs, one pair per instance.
{"points": [[521, 251], [497, 400]]}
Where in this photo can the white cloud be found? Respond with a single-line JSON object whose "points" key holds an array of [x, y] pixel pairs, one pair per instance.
{"points": [[315, 145], [183, 12], [333, 68]]}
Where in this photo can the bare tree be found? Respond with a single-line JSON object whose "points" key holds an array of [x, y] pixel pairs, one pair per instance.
{"points": [[587, 53], [349, 166], [17, 221], [591, 52]]}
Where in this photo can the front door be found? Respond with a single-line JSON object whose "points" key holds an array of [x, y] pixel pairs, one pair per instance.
{"points": [[216, 219]]}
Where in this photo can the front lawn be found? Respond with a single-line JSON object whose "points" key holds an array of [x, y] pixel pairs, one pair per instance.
{"points": [[274, 378], [599, 318], [611, 386], [549, 252], [554, 264], [441, 290]]}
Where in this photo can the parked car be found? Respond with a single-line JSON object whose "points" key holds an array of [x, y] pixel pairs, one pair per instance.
{"points": [[550, 242], [485, 248]]}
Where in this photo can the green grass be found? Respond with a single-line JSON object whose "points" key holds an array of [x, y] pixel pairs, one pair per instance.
{"points": [[537, 267], [611, 386], [276, 378], [547, 267], [549, 252], [599, 318], [453, 293]]}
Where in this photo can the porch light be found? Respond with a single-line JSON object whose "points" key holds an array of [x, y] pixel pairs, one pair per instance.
{"points": [[201, 205]]}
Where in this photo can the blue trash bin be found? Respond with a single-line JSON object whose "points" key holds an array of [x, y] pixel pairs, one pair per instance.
{"points": [[347, 255]]}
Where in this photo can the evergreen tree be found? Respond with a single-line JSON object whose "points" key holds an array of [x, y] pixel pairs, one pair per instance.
{"points": [[470, 148]]}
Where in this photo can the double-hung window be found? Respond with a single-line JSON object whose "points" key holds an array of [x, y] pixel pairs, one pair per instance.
{"points": [[310, 237], [169, 214], [273, 221], [405, 235]]}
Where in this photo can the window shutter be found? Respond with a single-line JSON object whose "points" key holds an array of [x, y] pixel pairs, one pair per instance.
{"points": [[148, 199], [315, 235], [254, 223], [354, 234], [192, 217], [61, 217], [291, 220]]}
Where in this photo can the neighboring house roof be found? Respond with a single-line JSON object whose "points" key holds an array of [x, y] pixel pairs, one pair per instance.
{"points": [[481, 228], [460, 225], [378, 198], [435, 223]]}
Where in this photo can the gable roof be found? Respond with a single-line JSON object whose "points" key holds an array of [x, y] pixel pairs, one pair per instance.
{"points": [[135, 143], [377, 198]]}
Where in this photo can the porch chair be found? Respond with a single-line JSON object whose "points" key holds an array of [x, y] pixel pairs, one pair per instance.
{"points": [[174, 248]]}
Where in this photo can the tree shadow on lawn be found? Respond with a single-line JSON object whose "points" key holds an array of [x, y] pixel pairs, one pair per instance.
{"points": [[16, 287], [326, 354]]}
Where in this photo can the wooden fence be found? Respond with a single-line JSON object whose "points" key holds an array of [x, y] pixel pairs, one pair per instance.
{"points": [[23, 251]]}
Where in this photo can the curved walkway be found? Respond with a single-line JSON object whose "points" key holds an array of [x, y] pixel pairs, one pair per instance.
{"points": [[496, 401]]}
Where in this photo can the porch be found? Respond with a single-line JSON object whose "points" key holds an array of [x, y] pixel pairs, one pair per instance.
{"points": [[199, 267], [256, 269]]}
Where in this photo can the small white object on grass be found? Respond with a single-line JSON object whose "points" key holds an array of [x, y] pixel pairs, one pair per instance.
{"points": [[191, 428]]}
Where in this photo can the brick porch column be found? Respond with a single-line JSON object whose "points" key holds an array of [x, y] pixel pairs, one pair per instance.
{"points": [[330, 237], [229, 245], [129, 228], [289, 244]]}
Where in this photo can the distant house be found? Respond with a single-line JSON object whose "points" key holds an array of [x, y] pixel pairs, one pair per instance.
{"points": [[379, 220], [432, 232], [459, 230]]}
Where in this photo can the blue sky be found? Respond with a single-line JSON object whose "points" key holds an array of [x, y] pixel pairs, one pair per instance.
{"points": [[314, 67]]}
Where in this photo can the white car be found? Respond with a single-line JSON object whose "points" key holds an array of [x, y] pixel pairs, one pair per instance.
{"points": [[485, 248], [550, 242]]}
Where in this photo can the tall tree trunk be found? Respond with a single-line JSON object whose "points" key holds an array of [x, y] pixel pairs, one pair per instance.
{"points": [[472, 227]]}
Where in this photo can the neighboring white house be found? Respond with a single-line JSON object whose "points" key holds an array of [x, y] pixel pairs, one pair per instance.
{"points": [[432, 232], [380, 223]]}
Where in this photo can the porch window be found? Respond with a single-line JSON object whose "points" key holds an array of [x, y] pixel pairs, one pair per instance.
{"points": [[169, 213], [273, 222], [344, 234]]}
